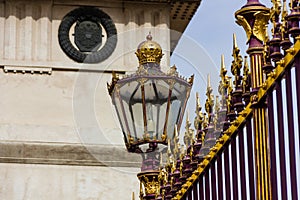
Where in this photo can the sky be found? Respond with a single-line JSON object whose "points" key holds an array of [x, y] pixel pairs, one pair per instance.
{"points": [[206, 38]]}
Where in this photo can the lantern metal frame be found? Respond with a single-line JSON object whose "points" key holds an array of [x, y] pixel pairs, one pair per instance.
{"points": [[146, 80]]}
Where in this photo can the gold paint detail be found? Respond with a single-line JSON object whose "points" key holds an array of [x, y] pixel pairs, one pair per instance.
{"points": [[149, 183], [259, 29], [243, 22], [260, 25]]}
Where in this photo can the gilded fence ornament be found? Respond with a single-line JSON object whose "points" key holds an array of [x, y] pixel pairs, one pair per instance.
{"points": [[224, 78], [199, 115], [176, 150], [189, 132], [275, 10], [237, 59], [246, 72], [243, 22], [205, 122], [259, 27], [229, 96], [286, 43], [209, 103], [217, 110]]}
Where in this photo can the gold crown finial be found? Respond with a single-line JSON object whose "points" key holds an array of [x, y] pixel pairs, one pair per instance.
{"points": [[149, 51]]}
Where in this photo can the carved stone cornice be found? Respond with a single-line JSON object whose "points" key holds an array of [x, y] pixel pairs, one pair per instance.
{"points": [[67, 154]]}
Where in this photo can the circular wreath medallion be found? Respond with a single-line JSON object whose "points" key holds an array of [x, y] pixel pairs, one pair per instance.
{"points": [[89, 36]]}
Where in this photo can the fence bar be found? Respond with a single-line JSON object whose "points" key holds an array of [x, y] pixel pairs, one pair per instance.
{"points": [[250, 160], [297, 73], [207, 185], [201, 189], [291, 134], [213, 181], [227, 173], [273, 171], [234, 169], [220, 177], [195, 190], [281, 140], [190, 194], [242, 164]]}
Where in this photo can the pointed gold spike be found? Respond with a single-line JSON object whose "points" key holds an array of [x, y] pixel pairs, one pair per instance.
{"points": [[223, 70], [133, 198], [208, 81], [222, 62], [187, 117], [169, 152], [198, 105], [234, 41], [246, 66]]}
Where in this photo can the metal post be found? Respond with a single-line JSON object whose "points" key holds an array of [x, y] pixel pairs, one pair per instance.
{"points": [[253, 17]]}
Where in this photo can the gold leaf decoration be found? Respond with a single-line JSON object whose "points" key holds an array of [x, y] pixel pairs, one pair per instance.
{"points": [[260, 25], [243, 22]]}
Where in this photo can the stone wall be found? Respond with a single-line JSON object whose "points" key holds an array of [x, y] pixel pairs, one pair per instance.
{"points": [[59, 134], [29, 33], [51, 182]]}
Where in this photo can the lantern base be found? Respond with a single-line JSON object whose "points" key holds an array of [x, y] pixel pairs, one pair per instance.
{"points": [[149, 186]]}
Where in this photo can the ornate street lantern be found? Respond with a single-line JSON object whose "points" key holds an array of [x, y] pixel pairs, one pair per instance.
{"points": [[149, 103]]}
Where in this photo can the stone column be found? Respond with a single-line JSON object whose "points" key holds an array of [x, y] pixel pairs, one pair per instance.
{"points": [[253, 17]]}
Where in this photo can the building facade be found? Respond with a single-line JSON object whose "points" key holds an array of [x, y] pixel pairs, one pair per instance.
{"points": [[59, 136]]}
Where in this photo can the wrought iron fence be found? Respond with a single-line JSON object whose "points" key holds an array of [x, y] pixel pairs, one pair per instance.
{"points": [[239, 149]]}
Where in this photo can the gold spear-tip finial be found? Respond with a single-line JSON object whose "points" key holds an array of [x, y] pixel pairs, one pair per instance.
{"points": [[234, 41], [210, 99], [208, 81], [223, 70]]}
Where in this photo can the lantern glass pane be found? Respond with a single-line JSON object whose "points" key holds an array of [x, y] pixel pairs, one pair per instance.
{"points": [[174, 112], [138, 119], [162, 89], [126, 93], [156, 95], [129, 118], [120, 115], [160, 118]]}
